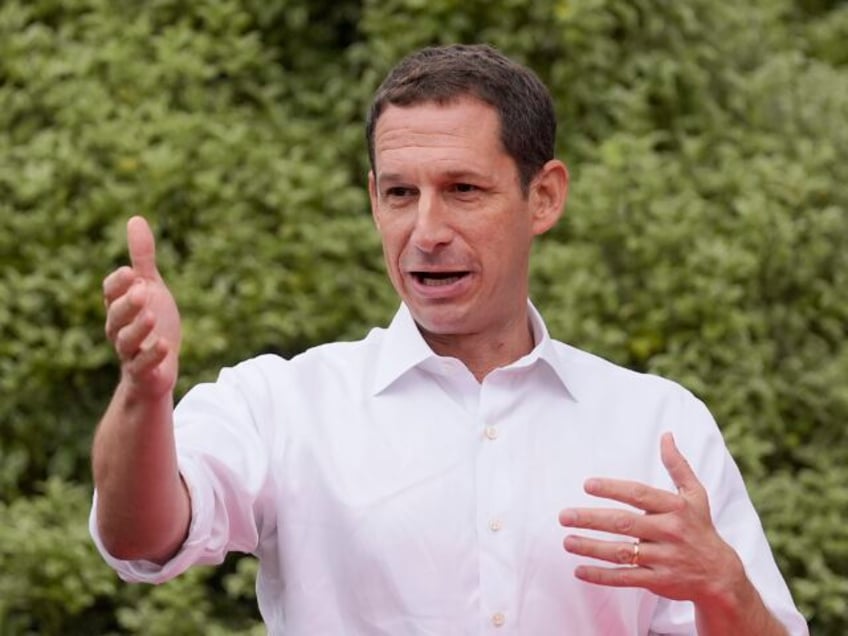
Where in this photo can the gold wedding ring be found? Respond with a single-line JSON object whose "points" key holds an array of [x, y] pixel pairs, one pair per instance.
{"points": [[634, 558]]}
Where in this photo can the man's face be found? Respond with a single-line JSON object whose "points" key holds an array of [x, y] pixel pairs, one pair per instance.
{"points": [[455, 225]]}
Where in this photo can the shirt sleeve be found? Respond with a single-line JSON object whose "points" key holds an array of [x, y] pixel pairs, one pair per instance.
{"points": [[224, 432], [735, 518]]}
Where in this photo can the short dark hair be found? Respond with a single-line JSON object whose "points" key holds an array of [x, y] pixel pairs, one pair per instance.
{"points": [[444, 74]]}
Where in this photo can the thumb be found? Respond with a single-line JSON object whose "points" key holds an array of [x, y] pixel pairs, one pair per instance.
{"points": [[678, 468], [142, 247]]}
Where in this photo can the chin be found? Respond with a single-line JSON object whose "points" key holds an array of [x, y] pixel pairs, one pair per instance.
{"points": [[444, 322]]}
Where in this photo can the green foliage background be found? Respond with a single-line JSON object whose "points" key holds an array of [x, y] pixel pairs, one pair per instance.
{"points": [[706, 238]]}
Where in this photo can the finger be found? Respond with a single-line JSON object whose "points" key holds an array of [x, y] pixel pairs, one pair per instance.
{"points": [[125, 309], [630, 553], [142, 247], [117, 283], [633, 493], [130, 339], [625, 576], [148, 359], [678, 468], [614, 521]]}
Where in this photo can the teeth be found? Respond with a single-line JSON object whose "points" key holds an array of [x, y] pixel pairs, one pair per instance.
{"points": [[437, 279], [428, 280]]}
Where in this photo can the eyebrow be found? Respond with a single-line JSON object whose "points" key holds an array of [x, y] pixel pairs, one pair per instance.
{"points": [[392, 177], [451, 175]]}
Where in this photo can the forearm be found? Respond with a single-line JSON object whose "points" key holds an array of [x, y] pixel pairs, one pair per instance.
{"points": [[143, 509]]}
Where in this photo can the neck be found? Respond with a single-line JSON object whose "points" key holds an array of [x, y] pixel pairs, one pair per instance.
{"points": [[484, 352]]}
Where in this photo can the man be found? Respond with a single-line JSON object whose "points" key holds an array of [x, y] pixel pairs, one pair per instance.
{"points": [[410, 483]]}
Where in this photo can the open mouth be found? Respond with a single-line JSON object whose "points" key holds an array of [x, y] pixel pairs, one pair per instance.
{"points": [[437, 279]]}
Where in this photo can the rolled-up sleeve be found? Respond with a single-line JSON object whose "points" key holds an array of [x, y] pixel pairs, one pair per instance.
{"points": [[223, 433]]}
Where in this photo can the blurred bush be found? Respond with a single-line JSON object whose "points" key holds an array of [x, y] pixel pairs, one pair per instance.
{"points": [[706, 237]]}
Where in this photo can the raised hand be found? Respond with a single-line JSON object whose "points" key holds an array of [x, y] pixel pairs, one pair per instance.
{"points": [[144, 508], [675, 550], [142, 320]]}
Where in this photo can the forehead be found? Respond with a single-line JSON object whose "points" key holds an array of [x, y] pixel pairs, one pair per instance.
{"points": [[465, 130]]}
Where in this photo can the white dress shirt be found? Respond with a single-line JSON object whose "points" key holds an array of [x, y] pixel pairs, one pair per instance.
{"points": [[387, 492]]}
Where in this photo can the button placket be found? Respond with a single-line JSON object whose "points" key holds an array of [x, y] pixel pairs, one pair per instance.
{"points": [[496, 491]]}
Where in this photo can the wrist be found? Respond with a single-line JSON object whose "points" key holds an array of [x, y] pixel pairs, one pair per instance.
{"points": [[730, 593], [137, 395], [732, 605]]}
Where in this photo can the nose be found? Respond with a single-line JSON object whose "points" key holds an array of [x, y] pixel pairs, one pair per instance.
{"points": [[432, 228]]}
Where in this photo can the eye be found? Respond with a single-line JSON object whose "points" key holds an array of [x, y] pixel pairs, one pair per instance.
{"points": [[399, 192], [464, 188]]}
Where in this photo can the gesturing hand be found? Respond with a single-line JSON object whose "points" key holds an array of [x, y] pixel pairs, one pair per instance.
{"points": [[142, 320], [676, 552]]}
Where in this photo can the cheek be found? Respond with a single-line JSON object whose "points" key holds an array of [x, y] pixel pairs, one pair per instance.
{"points": [[393, 245], [507, 254]]}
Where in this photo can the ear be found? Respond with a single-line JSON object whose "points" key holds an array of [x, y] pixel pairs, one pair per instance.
{"points": [[372, 195], [548, 192]]}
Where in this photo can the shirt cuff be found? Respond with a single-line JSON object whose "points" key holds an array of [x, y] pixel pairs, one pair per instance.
{"points": [[195, 549]]}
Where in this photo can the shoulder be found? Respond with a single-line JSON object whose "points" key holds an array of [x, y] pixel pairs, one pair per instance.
{"points": [[595, 377], [269, 388], [342, 358]]}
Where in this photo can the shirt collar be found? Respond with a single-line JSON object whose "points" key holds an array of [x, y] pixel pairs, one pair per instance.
{"points": [[403, 348]]}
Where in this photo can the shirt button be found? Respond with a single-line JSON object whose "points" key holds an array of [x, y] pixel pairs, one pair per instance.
{"points": [[495, 525], [492, 432], [498, 619]]}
